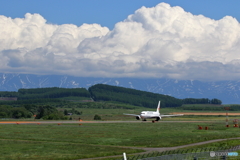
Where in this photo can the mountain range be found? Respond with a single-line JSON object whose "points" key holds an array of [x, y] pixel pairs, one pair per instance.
{"points": [[227, 91]]}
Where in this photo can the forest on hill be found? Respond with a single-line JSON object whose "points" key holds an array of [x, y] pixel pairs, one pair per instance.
{"points": [[102, 92], [99, 92], [43, 102], [48, 93]]}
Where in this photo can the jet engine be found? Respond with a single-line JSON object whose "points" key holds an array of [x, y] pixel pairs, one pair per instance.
{"points": [[138, 117], [158, 118]]}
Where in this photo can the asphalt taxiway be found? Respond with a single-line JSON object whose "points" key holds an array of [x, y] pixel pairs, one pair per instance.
{"points": [[68, 122]]}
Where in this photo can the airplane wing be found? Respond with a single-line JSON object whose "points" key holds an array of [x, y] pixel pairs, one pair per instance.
{"points": [[172, 115], [130, 114]]}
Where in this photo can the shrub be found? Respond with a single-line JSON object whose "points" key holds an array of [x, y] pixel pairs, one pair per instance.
{"points": [[97, 117]]}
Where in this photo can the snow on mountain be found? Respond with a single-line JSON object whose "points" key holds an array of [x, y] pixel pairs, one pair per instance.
{"points": [[227, 91]]}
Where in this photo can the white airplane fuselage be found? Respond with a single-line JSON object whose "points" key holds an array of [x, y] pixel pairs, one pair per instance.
{"points": [[149, 114]]}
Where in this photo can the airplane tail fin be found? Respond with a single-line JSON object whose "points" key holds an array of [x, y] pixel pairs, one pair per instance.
{"points": [[158, 108]]}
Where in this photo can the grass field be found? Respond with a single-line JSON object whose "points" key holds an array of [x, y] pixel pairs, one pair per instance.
{"points": [[53, 142], [217, 145], [74, 141], [117, 114]]}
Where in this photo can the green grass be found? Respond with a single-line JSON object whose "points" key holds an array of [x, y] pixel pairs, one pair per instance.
{"points": [[71, 141], [217, 145], [53, 142], [19, 149]]}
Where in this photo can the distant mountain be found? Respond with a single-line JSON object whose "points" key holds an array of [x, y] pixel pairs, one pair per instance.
{"points": [[227, 91]]}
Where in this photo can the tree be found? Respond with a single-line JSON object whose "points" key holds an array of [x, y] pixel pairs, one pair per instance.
{"points": [[6, 111], [216, 101], [97, 117], [20, 112], [45, 111], [65, 112], [55, 116], [3, 115]]}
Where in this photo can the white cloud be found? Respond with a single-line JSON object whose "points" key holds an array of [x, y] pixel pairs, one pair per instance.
{"points": [[161, 41]]}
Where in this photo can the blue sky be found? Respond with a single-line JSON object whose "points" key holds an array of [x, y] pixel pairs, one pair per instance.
{"points": [[108, 12], [179, 39]]}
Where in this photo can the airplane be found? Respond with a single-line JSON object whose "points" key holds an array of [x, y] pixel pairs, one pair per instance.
{"points": [[151, 114]]}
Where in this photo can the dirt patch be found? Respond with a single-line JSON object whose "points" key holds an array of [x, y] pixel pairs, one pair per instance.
{"points": [[206, 113]]}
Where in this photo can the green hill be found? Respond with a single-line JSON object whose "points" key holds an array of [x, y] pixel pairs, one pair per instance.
{"points": [[102, 92], [99, 92], [54, 103]]}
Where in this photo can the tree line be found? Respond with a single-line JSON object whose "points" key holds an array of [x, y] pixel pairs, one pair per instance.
{"points": [[101, 92], [8, 94], [201, 101], [210, 107], [28, 111], [14, 112], [54, 92]]}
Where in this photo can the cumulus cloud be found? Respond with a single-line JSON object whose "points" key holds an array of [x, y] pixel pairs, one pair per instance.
{"points": [[161, 41]]}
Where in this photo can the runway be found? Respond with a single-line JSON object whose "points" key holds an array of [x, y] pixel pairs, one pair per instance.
{"points": [[82, 122]]}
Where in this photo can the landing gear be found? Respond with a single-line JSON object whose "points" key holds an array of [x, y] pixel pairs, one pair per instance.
{"points": [[153, 121]]}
